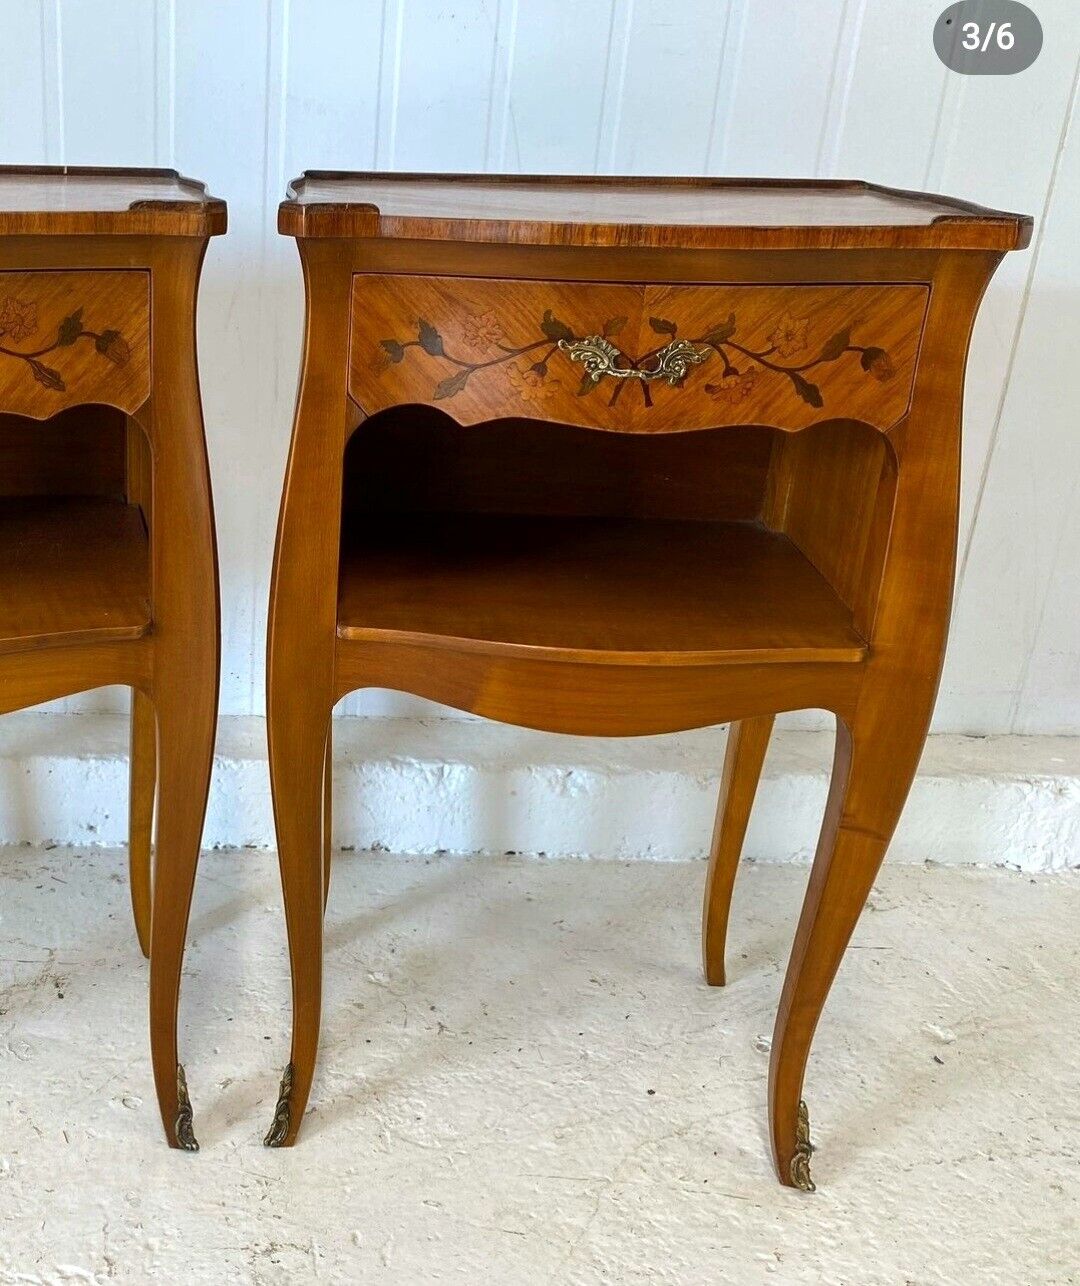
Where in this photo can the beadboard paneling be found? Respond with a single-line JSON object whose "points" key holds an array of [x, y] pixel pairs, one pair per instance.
{"points": [[246, 94]]}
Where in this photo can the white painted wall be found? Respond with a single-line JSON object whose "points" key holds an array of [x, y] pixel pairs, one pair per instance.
{"points": [[247, 93]]}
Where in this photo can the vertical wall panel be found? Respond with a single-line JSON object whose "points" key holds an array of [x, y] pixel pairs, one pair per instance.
{"points": [[22, 84], [443, 92], [660, 130], [1017, 636], [108, 68], [246, 94], [52, 68], [892, 102], [221, 133], [987, 150], [772, 123], [332, 88], [557, 83]]}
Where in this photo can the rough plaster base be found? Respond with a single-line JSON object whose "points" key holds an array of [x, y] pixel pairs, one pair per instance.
{"points": [[472, 787], [524, 1080], [450, 785]]}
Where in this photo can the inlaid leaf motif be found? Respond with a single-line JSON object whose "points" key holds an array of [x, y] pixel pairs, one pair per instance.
{"points": [[555, 329], [613, 326], [47, 376], [69, 329], [722, 333], [429, 338], [662, 326], [833, 347], [586, 386], [393, 349], [808, 392], [451, 384]]}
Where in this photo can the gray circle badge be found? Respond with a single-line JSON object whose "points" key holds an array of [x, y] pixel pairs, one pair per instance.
{"points": [[988, 37]]}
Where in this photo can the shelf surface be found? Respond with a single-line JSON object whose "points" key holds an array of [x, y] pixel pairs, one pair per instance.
{"points": [[71, 571], [611, 591], [595, 210]]}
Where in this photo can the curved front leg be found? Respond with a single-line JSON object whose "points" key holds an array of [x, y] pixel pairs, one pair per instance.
{"points": [[302, 638], [873, 768], [187, 715], [747, 742], [880, 737], [185, 638], [141, 795], [297, 724]]}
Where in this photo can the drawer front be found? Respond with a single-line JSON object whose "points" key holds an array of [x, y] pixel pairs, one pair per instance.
{"points": [[786, 356], [69, 338]]}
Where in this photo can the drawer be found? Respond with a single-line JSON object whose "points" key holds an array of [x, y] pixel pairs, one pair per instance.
{"points": [[787, 356], [69, 338]]}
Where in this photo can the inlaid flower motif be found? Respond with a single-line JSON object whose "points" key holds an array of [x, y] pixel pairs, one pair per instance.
{"points": [[531, 382], [790, 335], [482, 330], [18, 319], [734, 386]]}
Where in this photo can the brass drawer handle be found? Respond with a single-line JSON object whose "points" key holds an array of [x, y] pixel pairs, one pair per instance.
{"points": [[600, 357]]}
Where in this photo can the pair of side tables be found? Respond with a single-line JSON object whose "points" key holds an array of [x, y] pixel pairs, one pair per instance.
{"points": [[598, 456]]}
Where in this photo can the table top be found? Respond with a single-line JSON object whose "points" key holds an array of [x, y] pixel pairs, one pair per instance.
{"points": [[77, 200], [697, 213]]}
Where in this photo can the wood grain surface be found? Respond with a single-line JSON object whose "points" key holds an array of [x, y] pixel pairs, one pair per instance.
{"points": [[72, 571], [73, 200], [602, 590], [726, 213]]}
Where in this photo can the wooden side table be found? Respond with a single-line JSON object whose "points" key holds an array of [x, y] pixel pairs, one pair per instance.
{"points": [[108, 568], [618, 457]]}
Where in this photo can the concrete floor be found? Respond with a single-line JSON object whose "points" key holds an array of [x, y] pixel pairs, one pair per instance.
{"points": [[525, 1080]]}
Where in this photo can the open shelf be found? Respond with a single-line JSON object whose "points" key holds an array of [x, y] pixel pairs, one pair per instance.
{"points": [[72, 570], [601, 589]]}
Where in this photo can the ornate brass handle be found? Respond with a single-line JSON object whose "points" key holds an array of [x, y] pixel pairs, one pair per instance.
{"points": [[600, 357]]}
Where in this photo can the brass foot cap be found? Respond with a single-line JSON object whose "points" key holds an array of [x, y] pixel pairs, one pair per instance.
{"points": [[185, 1127], [279, 1129], [799, 1169]]}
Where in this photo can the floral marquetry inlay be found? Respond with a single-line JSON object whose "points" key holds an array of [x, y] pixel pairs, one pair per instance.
{"points": [[700, 356], [18, 320], [73, 337]]}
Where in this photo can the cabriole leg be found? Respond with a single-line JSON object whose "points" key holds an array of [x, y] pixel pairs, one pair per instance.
{"points": [[298, 735], [186, 715], [748, 740], [142, 792], [873, 768]]}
